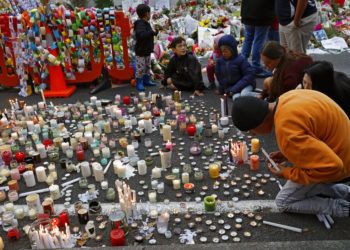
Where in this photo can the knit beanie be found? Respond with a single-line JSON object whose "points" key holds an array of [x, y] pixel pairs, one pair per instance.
{"points": [[248, 112]]}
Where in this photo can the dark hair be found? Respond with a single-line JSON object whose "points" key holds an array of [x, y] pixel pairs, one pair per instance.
{"points": [[335, 85], [275, 51], [176, 41], [142, 10]]}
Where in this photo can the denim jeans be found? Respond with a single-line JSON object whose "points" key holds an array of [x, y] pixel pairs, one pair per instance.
{"points": [[254, 40], [247, 91], [322, 198]]}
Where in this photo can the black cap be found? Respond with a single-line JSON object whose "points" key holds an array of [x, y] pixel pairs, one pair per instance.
{"points": [[248, 112]]}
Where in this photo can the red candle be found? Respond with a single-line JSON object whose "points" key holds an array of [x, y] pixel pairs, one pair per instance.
{"points": [[20, 156], [191, 129], [254, 162], [55, 222], [80, 153], [63, 216], [126, 100], [22, 168], [6, 156], [117, 237], [47, 142], [13, 234]]}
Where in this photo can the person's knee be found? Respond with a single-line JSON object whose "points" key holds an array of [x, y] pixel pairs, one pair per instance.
{"points": [[281, 202]]}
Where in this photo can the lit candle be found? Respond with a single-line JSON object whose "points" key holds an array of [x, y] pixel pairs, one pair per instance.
{"points": [[254, 162], [176, 184], [98, 171], [40, 174], [156, 173], [142, 167], [185, 177], [169, 145], [255, 145], [29, 178], [166, 133], [214, 170]]}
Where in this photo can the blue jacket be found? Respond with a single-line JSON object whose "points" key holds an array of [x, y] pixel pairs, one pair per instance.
{"points": [[235, 73]]}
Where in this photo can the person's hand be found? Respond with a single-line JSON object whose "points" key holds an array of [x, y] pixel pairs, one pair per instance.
{"points": [[277, 157], [279, 172], [296, 22], [198, 93]]}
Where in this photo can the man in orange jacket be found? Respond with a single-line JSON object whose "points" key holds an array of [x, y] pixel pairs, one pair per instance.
{"points": [[312, 133]]}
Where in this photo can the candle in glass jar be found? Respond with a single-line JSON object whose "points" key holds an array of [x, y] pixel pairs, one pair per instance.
{"points": [[98, 172], [117, 237], [13, 185], [254, 162], [15, 174], [152, 196], [160, 188], [55, 192], [142, 167], [214, 170], [255, 142], [214, 128], [185, 177], [85, 169], [29, 178], [64, 219], [64, 146], [121, 169], [130, 150], [40, 174], [176, 184], [106, 153], [156, 173], [80, 153]]}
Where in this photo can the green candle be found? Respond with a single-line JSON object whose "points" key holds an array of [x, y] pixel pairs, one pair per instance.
{"points": [[209, 203], [110, 195]]}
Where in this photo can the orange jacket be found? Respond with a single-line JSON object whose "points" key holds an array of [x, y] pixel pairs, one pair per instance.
{"points": [[313, 132]]}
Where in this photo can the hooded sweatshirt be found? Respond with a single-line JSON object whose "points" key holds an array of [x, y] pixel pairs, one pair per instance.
{"points": [[235, 73]]}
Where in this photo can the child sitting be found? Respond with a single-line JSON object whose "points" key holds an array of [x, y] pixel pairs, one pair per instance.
{"points": [[233, 72], [183, 71], [212, 61]]}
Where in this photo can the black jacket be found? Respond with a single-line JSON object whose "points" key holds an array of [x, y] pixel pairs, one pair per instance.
{"points": [[185, 72], [258, 12], [144, 38]]}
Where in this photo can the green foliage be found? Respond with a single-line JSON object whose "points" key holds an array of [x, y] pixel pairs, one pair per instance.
{"points": [[103, 3]]}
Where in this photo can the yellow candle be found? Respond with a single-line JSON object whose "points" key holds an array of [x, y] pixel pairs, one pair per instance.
{"points": [[255, 145], [214, 170]]}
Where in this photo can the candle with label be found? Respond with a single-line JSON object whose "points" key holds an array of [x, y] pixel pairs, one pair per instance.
{"points": [[255, 145], [166, 133], [254, 162], [40, 174], [142, 167]]}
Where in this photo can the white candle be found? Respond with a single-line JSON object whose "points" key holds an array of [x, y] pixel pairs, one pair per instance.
{"points": [[154, 184], [118, 113], [176, 184], [148, 126], [88, 136], [156, 173], [222, 102], [133, 120], [221, 134], [29, 178], [160, 188], [93, 100], [30, 126], [42, 95], [64, 146], [14, 136], [85, 169], [166, 133], [55, 192], [141, 167], [98, 171], [130, 150], [152, 196], [40, 174], [141, 124], [19, 213], [165, 158], [121, 169], [41, 105], [185, 177], [53, 123], [106, 153], [73, 143], [127, 124], [214, 128]]}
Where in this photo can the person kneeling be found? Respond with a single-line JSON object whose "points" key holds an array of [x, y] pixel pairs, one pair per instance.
{"points": [[234, 73], [313, 134], [184, 70]]}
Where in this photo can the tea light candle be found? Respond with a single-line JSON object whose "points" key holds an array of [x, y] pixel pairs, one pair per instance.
{"points": [[156, 173], [40, 174], [166, 133], [85, 169], [29, 178], [254, 162], [130, 150], [255, 145], [185, 177], [176, 184], [98, 172], [142, 167]]}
